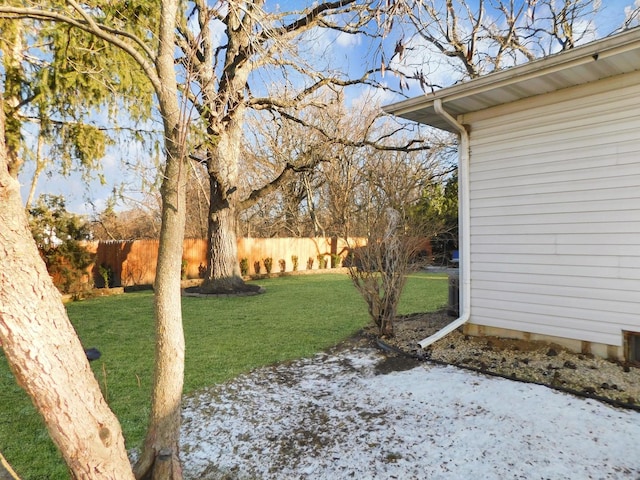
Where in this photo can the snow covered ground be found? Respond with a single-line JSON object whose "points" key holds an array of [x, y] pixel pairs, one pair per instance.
{"points": [[337, 417]]}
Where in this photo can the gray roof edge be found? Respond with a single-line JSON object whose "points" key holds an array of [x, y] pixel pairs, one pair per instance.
{"points": [[608, 46]]}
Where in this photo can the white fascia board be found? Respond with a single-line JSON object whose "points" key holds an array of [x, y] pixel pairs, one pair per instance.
{"points": [[611, 56]]}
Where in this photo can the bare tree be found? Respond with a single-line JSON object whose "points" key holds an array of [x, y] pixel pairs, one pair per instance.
{"points": [[631, 16], [257, 43], [197, 201], [465, 39], [356, 163], [379, 269], [371, 177], [285, 160], [135, 223]]}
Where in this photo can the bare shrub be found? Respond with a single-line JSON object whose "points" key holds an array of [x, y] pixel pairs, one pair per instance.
{"points": [[379, 269]]}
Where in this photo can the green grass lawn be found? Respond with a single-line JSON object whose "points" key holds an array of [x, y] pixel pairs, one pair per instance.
{"points": [[297, 317]]}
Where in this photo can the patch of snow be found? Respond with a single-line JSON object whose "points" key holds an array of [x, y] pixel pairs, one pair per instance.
{"points": [[333, 417]]}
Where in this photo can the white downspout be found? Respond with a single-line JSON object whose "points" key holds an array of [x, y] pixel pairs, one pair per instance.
{"points": [[464, 217]]}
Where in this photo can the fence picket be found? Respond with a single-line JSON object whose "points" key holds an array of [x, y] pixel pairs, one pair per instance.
{"points": [[133, 262]]}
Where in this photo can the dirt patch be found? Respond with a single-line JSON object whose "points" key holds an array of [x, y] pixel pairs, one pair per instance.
{"points": [[245, 291], [398, 363], [528, 361]]}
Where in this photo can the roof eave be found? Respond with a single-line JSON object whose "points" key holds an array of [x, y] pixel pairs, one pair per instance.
{"points": [[421, 109]]}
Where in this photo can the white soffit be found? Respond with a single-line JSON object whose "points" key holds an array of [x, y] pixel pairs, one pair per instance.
{"points": [[604, 58]]}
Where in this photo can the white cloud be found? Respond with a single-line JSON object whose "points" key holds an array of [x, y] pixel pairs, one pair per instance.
{"points": [[368, 95], [347, 40]]}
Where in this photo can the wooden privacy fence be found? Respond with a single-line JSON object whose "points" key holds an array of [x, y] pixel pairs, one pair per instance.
{"points": [[133, 262]]}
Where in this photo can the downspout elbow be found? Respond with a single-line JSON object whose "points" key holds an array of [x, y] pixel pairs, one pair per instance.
{"points": [[464, 216]]}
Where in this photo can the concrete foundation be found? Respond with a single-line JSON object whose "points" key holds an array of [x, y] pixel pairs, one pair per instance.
{"points": [[610, 352]]}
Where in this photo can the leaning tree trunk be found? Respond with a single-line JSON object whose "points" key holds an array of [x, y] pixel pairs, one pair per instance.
{"points": [[160, 459], [44, 352], [160, 455]]}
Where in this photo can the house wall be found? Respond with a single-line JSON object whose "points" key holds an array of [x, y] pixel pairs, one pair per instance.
{"points": [[555, 214]]}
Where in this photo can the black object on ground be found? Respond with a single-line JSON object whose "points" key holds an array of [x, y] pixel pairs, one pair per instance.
{"points": [[92, 354]]}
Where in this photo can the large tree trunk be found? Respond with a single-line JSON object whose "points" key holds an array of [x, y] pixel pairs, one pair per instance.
{"points": [[44, 351], [160, 454], [224, 111], [223, 268]]}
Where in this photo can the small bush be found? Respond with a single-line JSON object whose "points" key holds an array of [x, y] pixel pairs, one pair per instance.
{"points": [[256, 267], [106, 274], [283, 265], [294, 262], [268, 264], [244, 267], [59, 236], [379, 269], [322, 261], [183, 269], [350, 259], [310, 263], [202, 270], [336, 260]]}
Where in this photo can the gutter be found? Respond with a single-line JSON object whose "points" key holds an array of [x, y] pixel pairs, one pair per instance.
{"points": [[464, 217]]}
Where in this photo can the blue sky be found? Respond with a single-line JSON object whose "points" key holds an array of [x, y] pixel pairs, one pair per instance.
{"points": [[342, 51]]}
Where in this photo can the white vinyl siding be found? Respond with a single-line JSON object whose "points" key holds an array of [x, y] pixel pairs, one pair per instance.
{"points": [[555, 214]]}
